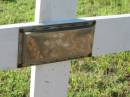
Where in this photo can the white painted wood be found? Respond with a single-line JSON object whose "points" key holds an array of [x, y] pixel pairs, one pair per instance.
{"points": [[112, 34], [51, 80], [48, 10], [18, 25], [9, 37], [8, 48]]}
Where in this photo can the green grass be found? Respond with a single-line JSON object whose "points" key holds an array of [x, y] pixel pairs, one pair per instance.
{"points": [[105, 76], [16, 11], [15, 83], [102, 7]]}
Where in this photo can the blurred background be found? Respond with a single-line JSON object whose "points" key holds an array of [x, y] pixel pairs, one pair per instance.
{"points": [[104, 76]]}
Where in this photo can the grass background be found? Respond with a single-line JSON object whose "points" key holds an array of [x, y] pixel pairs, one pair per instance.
{"points": [[104, 76]]}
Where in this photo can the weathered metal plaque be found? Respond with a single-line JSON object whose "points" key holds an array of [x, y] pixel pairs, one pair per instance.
{"points": [[53, 43]]}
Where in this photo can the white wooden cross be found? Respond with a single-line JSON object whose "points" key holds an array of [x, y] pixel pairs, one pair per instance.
{"points": [[112, 34]]}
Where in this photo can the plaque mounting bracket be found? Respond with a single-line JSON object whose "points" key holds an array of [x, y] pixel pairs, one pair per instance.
{"points": [[55, 42]]}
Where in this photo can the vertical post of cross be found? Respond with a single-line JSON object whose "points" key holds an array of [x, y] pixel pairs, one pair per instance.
{"points": [[51, 80]]}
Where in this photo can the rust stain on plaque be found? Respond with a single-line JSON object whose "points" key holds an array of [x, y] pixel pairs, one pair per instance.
{"points": [[45, 47], [33, 49]]}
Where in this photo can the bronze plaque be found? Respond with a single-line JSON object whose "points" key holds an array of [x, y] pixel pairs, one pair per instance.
{"points": [[53, 43]]}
